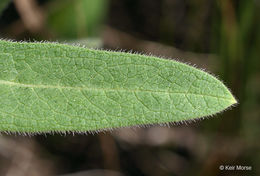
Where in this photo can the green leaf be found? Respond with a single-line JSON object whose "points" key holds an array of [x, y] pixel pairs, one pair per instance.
{"points": [[48, 87]]}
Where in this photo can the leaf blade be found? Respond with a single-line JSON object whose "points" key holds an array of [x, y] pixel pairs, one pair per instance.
{"points": [[54, 87]]}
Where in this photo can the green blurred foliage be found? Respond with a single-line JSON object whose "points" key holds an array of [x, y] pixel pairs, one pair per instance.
{"points": [[70, 19], [3, 5]]}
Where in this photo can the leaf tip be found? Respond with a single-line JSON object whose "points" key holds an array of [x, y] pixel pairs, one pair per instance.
{"points": [[233, 101]]}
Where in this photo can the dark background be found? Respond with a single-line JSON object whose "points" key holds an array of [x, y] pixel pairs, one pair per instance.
{"points": [[221, 36]]}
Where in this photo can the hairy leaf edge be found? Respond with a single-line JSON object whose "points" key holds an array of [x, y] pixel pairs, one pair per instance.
{"points": [[233, 102]]}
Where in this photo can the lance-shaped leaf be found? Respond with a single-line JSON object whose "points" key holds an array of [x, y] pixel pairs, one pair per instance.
{"points": [[54, 87]]}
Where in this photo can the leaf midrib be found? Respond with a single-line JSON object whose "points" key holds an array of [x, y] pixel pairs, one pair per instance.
{"points": [[41, 86]]}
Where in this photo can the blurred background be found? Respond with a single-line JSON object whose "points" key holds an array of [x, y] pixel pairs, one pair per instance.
{"points": [[220, 36]]}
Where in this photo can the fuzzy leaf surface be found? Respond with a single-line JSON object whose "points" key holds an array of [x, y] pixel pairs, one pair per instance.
{"points": [[48, 87]]}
